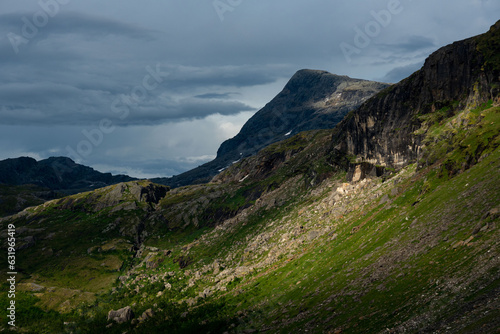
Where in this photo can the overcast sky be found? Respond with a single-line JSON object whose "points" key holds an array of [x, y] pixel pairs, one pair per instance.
{"points": [[152, 87]]}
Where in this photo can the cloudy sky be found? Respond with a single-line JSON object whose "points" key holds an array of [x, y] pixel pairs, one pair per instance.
{"points": [[152, 87]]}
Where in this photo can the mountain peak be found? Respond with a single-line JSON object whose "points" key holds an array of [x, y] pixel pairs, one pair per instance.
{"points": [[64, 160], [314, 85], [311, 72], [311, 100], [317, 74]]}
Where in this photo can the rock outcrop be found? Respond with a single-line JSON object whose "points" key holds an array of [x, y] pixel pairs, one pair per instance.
{"points": [[383, 130], [123, 196], [122, 315]]}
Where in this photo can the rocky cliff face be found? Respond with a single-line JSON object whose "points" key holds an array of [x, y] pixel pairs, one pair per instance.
{"points": [[56, 173], [311, 100], [461, 75]]}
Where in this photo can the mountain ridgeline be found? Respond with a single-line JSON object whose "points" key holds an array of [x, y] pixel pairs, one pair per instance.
{"points": [[25, 182], [387, 223], [57, 173], [311, 100]]}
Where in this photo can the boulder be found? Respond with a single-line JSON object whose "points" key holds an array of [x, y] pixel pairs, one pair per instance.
{"points": [[385, 199], [27, 242], [313, 235], [122, 315]]}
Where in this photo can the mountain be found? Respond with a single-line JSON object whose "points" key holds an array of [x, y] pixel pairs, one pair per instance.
{"points": [[56, 173], [14, 199], [387, 223], [311, 100], [387, 129]]}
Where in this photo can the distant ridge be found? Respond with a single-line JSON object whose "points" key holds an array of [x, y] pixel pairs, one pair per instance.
{"points": [[56, 173]]}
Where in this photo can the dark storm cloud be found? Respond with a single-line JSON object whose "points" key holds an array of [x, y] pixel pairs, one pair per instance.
{"points": [[86, 98], [76, 71], [39, 105], [410, 44], [159, 111], [198, 108], [410, 49], [237, 76], [215, 95], [74, 23]]}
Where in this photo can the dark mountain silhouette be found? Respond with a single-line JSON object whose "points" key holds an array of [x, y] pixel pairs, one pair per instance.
{"points": [[57, 173]]}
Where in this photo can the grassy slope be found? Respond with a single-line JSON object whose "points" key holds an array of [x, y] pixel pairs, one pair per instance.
{"points": [[320, 261]]}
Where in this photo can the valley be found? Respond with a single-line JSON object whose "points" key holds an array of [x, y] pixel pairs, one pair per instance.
{"points": [[385, 223]]}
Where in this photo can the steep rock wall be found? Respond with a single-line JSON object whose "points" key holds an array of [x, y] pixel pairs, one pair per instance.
{"points": [[382, 130]]}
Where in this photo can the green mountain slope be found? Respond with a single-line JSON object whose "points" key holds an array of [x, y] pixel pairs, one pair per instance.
{"points": [[321, 233]]}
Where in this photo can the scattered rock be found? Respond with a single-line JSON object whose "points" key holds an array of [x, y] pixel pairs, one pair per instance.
{"points": [[50, 236], [466, 242], [484, 228], [123, 279], [27, 242], [493, 213], [206, 293], [385, 199], [94, 249], [313, 235], [152, 262], [149, 313], [35, 287]]}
